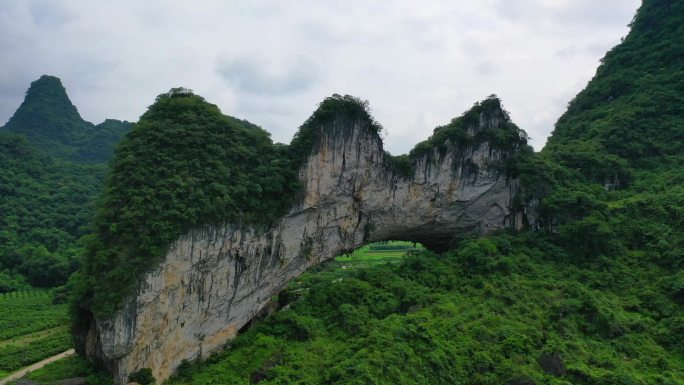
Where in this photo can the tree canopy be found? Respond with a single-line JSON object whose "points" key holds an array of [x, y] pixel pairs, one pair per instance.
{"points": [[184, 165]]}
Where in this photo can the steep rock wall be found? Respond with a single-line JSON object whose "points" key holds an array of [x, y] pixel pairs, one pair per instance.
{"points": [[213, 281]]}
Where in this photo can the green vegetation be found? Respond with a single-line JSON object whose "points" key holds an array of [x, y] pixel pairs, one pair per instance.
{"points": [[378, 253], [53, 167], [13, 357], [497, 129], [46, 205], [183, 166], [331, 109], [70, 367], [497, 310], [27, 312], [99, 146], [142, 376], [49, 120], [633, 109], [32, 328], [616, 155]]}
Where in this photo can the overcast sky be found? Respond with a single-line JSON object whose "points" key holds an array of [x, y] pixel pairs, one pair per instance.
{"points": [[419, 63]]}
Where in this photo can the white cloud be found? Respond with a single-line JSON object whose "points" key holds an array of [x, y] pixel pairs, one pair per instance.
{"points": [[257, 74], [419, 63]]}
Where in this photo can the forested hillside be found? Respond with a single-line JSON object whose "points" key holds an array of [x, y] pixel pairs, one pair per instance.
{"points": [[633, 109], [53, 167], [49, 120], [617, 154], [46, 204]]}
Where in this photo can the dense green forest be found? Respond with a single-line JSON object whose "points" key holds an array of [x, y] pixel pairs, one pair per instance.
{"points": [[46, 204], [53, 168], [591, 292]]}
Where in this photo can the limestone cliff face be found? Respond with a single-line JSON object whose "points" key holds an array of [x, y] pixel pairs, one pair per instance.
{"points": [[213, 281]]}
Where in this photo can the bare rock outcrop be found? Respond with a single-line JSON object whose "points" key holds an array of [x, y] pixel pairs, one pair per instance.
{"points": [[214, 280]]}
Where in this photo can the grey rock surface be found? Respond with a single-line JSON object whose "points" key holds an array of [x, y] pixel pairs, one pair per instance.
{"points": [[214, 280]]}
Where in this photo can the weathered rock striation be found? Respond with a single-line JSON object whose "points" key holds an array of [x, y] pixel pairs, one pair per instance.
{"points": [[213, 281]]}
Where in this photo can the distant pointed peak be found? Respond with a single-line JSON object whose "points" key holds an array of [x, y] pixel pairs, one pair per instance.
{"points": [[48, 92], [48, 78], [47, 84], [47, 81], [47, 115]]}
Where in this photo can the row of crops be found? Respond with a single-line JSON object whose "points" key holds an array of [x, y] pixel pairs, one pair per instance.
{"points": [[32, 328], [25, 294], [393, 246], [28, 312], [15, 357]]}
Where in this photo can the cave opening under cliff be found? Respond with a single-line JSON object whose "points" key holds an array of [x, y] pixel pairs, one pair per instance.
{"points": [[390, 251], [368, 255]]}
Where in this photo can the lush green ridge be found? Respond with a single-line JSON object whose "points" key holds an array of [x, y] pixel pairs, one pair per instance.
{"points": [[53, 166], [45, 206], [616, 154], [49, 120], [633, 109]]}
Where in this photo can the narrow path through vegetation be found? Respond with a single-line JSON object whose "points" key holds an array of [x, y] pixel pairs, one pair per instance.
{"points": [[21, 373]]}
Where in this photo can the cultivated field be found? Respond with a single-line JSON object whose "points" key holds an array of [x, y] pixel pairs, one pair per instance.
{"points": [[379, 253], [32, 328]]}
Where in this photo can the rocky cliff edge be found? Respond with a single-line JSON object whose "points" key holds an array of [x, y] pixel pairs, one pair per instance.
{"points": [[214, 280]]}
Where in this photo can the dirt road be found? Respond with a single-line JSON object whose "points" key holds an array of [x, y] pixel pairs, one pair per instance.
{"points": [[36, 366]]}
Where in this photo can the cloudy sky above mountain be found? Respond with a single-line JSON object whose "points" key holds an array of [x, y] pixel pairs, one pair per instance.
{"points": [[419, 63]]}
